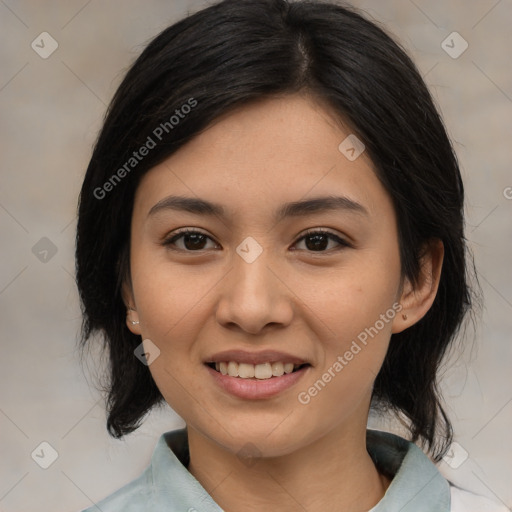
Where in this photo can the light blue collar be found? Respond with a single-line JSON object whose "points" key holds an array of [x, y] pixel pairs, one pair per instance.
{"points": [[417, 484], [174, 488], [166, 485]]}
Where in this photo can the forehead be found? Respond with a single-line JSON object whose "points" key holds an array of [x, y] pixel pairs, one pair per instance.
{"points": [[267, 152]]}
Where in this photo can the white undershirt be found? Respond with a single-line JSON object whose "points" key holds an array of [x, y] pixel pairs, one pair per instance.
{"points": [[466, 501]]}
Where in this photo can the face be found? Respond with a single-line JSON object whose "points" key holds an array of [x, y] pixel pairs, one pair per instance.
{"points": [[292, 264]]}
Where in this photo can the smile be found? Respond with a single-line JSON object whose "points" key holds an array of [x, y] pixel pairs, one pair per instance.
{"points": [[263, 385], [262, 371]]}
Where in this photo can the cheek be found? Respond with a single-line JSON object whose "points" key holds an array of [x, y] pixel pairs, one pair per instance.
{"points": [[173, 305], [168, 296], [171, 312], [355, 308], [358, 314], [351, 299]]}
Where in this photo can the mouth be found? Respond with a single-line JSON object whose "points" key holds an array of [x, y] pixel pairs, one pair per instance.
{"points": [[260, 381], [261, 371]]}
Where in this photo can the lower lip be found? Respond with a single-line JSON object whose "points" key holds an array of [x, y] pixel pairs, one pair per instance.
{"points": [[255, 389]]}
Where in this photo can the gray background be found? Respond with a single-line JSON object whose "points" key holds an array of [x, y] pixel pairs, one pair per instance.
{"points": [[50, 112]]}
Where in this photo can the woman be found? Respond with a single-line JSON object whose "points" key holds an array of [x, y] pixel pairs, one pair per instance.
{"points": [[270, 239]]}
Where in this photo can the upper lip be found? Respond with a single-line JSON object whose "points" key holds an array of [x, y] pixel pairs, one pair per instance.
{"points": [[265, 356]]}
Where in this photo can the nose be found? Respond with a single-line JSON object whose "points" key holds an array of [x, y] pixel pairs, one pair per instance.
{"points": [[253, 298]]}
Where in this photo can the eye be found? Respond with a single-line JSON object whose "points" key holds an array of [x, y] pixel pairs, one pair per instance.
{"points": [[319, 240], [189, 240]]}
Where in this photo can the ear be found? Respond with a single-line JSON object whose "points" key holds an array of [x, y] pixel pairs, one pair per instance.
{"points": [[132, 317], [417, 298]]}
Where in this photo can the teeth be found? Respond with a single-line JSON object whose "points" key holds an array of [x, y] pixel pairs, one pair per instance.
{"points": [[263, 371], [246, 371], [259, 371], [277, 369], [232, 369]]}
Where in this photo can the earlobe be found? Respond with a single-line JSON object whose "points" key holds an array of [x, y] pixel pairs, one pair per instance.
{"points": [[132, 317], [417, 298], [132, 320]]}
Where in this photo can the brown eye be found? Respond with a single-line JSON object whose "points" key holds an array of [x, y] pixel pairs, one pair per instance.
{"points": [[319, 241], [189, 241]]}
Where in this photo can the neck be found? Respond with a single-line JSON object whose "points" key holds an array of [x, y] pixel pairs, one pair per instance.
{"points": [[332, 473]]}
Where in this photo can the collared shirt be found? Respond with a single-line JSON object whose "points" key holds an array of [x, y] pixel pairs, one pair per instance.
{"points": [[416, 485]]}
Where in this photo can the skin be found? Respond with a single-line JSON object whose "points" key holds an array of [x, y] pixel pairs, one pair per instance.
{"points": [[309, 303]]}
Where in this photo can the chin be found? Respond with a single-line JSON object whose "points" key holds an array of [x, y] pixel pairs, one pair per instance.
{"points": [[256, 439]]}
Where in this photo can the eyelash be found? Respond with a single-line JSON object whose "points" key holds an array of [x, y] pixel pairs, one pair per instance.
{"points": [[170, 241]]}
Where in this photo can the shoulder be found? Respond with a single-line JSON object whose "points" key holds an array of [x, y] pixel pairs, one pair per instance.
{"points": [[134, 496], [416, 482], [165, 484], [466, 501]]}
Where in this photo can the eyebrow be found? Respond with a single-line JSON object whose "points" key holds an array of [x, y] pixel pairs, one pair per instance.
{"points": [[292, 209]]}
